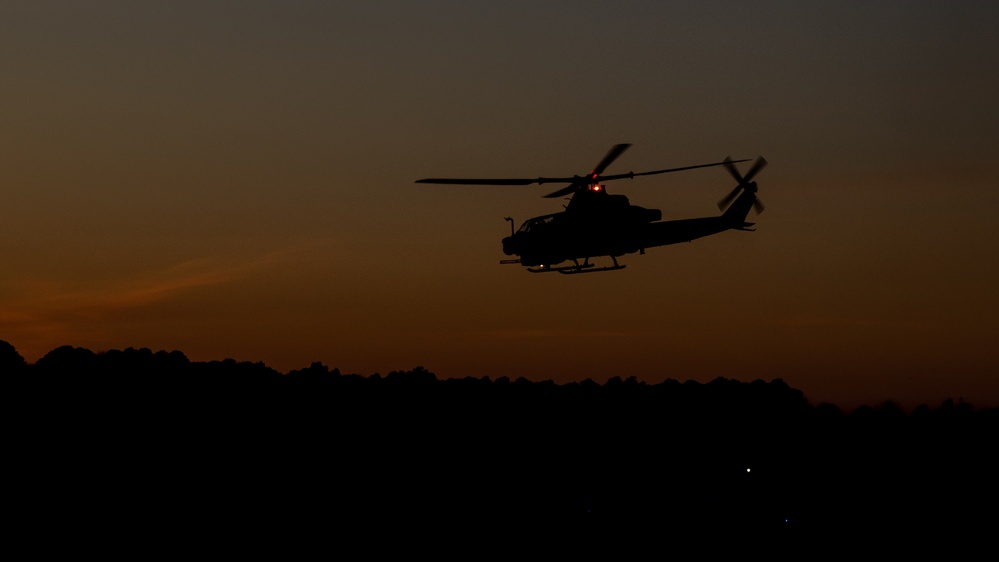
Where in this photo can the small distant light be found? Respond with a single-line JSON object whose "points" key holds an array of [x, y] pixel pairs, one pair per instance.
{"points": [[748, 470]]}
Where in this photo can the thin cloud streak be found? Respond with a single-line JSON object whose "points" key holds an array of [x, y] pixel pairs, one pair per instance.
{"points": [[537, 334], [46, 311]]}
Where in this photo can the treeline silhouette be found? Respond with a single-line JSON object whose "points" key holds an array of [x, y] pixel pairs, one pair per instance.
{"points": [[157, 441]]}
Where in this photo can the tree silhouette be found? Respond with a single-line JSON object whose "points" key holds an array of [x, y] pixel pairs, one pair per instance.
{"points": [[153, 434]]}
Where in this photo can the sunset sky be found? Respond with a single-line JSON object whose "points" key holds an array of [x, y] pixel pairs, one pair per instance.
{"points": [[236, 180]]}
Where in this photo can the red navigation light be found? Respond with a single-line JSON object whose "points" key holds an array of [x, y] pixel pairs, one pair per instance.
{"points": [[596, 187]]}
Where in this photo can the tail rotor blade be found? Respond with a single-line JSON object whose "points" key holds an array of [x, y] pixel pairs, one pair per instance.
{"points": [[728, 198], [730, 166], [757, 166]]}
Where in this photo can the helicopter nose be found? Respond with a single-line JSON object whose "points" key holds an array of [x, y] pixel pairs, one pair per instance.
{"points": [[510, 246]]}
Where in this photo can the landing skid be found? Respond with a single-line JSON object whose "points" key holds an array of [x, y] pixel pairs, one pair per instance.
{"points": [[574, 271], [576, 267]]}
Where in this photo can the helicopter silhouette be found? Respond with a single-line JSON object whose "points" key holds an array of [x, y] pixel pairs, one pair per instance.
{"points": [[596, 223]]}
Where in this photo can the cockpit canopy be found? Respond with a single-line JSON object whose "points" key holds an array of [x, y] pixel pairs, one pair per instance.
{"points": [[537, 222]]}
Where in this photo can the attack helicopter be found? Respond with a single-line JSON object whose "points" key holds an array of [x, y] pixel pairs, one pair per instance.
{"points": [[596, 223]]}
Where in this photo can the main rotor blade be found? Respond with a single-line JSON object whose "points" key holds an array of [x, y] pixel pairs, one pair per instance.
{"points": [[757, 166], [758, 205], [564, 191], [612, 155], [495, 181], [576, 181], [636, 174]]}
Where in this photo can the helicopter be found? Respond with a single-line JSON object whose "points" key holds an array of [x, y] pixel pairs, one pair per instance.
{"points": [[595, 223]]}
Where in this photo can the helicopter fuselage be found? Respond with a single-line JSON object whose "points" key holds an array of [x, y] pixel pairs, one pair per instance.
{"points": [[596, 224]]}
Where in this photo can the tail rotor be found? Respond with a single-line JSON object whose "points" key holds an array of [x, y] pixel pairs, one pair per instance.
{"points": [[744, 182]]}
